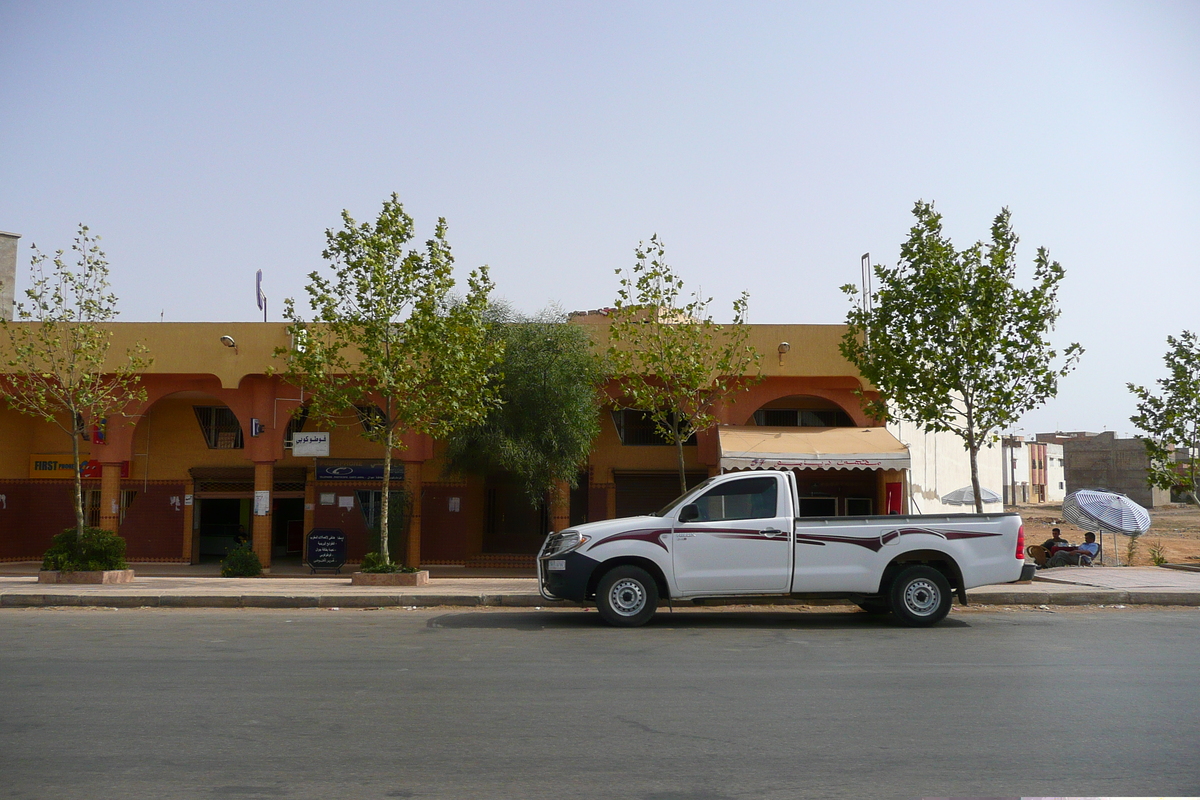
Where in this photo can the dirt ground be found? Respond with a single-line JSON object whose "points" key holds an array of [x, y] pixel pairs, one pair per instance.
{"points": [[1175, 529]]}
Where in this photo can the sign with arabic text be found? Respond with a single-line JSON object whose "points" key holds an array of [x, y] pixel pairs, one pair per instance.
{"points": [[310, 444], [325, 548]]}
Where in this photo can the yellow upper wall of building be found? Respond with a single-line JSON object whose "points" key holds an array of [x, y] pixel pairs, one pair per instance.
{"points": [[196, 348]]}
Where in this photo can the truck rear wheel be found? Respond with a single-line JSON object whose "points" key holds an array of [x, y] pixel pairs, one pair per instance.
{"points": [[920, 596], [627, 596]]}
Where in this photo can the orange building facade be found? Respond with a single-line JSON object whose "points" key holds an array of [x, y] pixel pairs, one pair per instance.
{"points": [[210, 457]]}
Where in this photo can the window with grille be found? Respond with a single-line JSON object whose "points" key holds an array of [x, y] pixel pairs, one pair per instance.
{"points": [[370, 417], [91, 505], [803, 418], [295, 425], [371, 502], [637, 428], [220, 427]]}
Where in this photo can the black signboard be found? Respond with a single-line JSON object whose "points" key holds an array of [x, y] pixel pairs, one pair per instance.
{"points": [[325, 548]]}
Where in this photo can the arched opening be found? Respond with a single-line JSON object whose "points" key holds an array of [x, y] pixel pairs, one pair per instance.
{"points": [[841, 467], [192, 491]]}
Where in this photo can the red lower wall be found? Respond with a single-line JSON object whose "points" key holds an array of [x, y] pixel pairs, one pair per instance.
{"points": [[153, 525], [349, 520], [31, 514]]}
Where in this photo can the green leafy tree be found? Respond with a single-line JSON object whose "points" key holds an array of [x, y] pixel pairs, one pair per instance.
{"points": [[549, 387], [951, 342], [1173, 418], [669, 358], [59, 366], [386, 332]]}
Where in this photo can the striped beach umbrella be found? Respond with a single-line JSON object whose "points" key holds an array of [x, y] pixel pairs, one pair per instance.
{"points": [[1108, 511]]}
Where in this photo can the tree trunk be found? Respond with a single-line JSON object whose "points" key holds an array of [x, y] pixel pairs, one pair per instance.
{"points": [[79, 520], [974, 448], [385, 501], [679, 451]]}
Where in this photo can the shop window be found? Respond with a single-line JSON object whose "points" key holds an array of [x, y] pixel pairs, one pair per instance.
{"points": [[818, 506], [637, 428], [91, 506], [859, 506], [803, 418], [220, 427]]}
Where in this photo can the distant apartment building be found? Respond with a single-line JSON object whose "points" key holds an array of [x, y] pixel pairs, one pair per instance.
{"points": [[1103, 461], [1034, 472]]}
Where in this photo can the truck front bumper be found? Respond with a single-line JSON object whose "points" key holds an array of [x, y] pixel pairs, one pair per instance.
{"points": [[565, 577]]}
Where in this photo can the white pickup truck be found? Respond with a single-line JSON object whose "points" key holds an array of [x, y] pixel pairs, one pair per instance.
{"points": [[739, 535]]}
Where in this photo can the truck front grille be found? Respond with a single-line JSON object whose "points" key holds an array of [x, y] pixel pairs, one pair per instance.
{"points": [[552, 543]]}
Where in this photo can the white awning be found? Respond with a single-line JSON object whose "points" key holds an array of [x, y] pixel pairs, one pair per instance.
{"points": [[810, 448]]}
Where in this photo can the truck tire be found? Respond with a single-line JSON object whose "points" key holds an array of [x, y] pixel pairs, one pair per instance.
{"points": [[627, 596], [920, 596]]}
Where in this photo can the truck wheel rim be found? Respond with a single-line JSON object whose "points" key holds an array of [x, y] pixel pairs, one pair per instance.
{"points": [[922, 597], [627, 597]]}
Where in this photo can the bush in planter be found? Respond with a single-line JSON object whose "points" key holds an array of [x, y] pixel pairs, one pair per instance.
{"points": [[97, 549], [372, 562], [241, 562]]}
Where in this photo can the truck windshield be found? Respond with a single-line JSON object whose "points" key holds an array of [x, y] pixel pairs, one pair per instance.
{"points": [[678, 501]]}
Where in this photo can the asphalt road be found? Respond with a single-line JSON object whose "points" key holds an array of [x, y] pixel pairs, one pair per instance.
{"points": [[712, 705]]}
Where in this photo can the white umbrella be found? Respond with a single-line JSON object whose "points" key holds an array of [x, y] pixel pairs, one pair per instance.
{"points": [[966, 496], [1105, 511]]}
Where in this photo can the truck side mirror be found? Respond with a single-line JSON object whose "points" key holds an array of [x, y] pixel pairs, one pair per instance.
{"points": [[689, 513]]}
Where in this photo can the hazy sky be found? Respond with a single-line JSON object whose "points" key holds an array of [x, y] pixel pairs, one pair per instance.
{"points": [[768, 144]]}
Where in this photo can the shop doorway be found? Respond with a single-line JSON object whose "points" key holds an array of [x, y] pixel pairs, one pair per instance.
{"points": [[287, 529], [514, 524], [219, 523]]}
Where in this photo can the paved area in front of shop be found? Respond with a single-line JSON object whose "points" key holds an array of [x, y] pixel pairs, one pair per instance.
{"points": [[1062, 586]]}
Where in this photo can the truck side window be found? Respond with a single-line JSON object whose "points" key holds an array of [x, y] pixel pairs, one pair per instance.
{"points": [[752, 498]]}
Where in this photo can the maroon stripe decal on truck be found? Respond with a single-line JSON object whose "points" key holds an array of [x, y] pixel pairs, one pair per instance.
{"points": [[875, 543], [651, 535], [654, 535]]}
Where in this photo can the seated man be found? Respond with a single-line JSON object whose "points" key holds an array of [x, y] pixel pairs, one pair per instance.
{"points": [[1055, 540], [1073, 556], [1041, 553]]}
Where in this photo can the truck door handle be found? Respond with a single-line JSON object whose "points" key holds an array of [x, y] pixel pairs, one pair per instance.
{"points": [[770, 532]]}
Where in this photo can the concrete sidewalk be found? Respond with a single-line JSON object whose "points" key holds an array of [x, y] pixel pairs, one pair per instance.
{"points": [[1063, 586]]}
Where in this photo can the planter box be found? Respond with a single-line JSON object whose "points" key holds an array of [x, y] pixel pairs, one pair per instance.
{"points": [[99, 576], [390, 578]]}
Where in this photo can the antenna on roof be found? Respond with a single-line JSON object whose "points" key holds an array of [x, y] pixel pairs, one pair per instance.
{"points": [[259, 296], [866, 283]]}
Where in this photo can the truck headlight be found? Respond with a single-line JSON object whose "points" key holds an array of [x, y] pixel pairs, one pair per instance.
{"points": [[570, 540]]}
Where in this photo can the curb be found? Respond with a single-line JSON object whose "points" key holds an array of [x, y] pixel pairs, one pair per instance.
{"points": [[30, 600], [1022, 597]]}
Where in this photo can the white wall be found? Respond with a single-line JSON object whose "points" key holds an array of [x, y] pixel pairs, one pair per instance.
{"points": [[941, 464], [1056, 474], [1016, 472]]}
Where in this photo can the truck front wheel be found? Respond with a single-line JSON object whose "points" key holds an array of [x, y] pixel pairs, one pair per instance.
{"points": [[919, 596], [627, 596]]}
